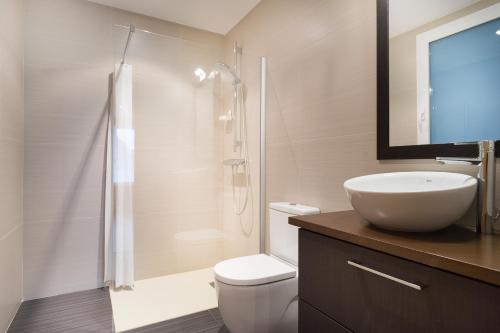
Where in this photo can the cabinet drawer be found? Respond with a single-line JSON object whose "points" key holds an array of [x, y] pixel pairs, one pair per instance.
{"points": [[368, 291], [312, 320]]}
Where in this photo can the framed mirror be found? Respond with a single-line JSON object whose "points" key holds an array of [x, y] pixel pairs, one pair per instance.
{"points": [[438, 77]]}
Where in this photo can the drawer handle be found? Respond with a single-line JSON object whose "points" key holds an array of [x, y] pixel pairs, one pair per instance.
{"points": [[392, 278]]}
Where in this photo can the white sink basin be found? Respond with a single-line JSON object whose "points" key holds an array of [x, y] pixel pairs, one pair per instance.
{"points": [[412, 201]]}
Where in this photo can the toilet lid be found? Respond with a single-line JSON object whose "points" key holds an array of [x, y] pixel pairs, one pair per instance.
{"points": [[253, 270]]}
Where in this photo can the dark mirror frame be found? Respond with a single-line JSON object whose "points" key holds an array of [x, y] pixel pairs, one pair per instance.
{"points": [[384, 150]]}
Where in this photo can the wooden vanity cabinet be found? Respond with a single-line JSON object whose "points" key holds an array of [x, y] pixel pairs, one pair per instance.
{"points": [[313, 320], [345, 287]]}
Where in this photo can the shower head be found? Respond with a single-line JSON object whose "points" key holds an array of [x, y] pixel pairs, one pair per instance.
{"points": [[227, 68]]}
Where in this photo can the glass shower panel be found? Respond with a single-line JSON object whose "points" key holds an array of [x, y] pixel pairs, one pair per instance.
{"points": [[178, 171]]}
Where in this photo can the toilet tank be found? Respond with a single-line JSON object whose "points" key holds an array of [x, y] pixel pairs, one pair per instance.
{"points": [[284, 237]]}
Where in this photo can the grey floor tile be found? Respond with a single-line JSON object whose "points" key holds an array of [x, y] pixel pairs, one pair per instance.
{"points": [[87, 311], [216, 314], [220, 329], [196, 323], [91, 312]]}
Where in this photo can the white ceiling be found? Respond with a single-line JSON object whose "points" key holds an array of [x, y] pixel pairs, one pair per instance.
{"points": [[218, 16], [406, 15]]}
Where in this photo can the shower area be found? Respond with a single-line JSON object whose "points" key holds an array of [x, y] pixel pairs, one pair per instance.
{"points": [[197, 168]]}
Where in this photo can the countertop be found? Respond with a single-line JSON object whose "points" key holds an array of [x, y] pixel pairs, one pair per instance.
{"points": [[454, 249]]}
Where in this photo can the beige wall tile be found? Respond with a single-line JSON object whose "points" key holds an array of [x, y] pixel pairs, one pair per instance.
{"points": [[11, 88], [46, 168], [68, 20], [11, 262], [60, 256], [52, 279], [339, 115], [283, 174], [11, 183], [43, 206], [12, 26], [69, 55], [322, 95], [11, 158]]}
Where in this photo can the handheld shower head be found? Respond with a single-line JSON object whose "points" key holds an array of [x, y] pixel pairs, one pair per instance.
{"points": [[227, 68]]}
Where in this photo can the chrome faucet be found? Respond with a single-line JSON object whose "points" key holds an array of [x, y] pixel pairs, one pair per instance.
{"points": [[487, 213]]}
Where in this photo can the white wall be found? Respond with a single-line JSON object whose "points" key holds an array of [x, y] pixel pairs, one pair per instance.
{"points": [[11, 158]]}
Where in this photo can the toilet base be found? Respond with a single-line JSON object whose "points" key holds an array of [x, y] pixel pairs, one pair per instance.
{"points": [[267, 308]]}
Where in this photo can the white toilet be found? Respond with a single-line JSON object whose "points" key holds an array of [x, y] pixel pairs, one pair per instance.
{"points": [[259, 293]]}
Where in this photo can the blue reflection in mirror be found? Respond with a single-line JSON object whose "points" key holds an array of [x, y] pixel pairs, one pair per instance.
{"points": [[465, 85]]}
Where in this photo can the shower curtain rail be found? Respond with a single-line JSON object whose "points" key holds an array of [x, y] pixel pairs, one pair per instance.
{"points": [[136, 29], [129, 38]]}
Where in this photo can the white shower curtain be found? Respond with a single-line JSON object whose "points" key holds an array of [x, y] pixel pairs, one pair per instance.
{"points": [[119, 221]]}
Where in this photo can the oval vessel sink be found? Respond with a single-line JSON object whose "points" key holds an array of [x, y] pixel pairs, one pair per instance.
{"points": [[412, 201]]}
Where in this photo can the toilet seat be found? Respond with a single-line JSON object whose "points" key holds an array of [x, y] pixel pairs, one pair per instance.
{"points": [[253, 270]]}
